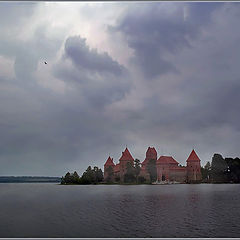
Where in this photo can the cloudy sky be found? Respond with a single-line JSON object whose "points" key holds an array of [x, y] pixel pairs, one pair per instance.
{"points": [[141, 74]]}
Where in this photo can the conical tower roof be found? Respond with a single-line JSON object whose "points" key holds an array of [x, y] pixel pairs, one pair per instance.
{"points": [[193, 157], [126, 156], [109, 162]]}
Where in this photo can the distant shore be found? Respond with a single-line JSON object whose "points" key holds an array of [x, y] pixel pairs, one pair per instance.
{"points": [[29, 179]]}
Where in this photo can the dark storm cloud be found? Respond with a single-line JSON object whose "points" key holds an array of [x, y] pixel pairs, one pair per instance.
{"points": [[89, 59], [153, 32], [100, 79]]}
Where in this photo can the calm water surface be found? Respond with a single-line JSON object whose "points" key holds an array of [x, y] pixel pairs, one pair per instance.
{"points": [[51, 210]]}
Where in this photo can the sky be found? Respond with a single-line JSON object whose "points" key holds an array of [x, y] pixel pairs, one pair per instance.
{"points": [[135, 74]]}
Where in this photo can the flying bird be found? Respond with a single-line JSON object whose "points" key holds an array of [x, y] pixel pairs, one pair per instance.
{"points": [[45, 62]]}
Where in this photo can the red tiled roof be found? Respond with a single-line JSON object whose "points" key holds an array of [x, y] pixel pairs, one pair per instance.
{"points": [[126, 156], [109, 162], [166, 160], [193, 157]]}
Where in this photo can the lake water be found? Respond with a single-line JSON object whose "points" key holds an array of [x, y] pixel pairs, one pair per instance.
{"points": [[52, 210]]}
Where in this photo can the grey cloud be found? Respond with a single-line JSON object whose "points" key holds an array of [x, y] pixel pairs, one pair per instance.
{"points": [[100, 79], [42, 45], [153, 33], [10, 13], [43, 133], [89, 59]]}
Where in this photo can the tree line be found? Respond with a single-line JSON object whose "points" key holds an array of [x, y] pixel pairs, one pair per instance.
{"points": [[221, 170], [90, 176], [95, 175]]}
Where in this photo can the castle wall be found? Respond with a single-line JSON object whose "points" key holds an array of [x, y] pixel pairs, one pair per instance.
{"points": [[178, 175]]}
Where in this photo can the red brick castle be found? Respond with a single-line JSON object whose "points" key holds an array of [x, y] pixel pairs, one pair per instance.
{"points": [[168, 169]]}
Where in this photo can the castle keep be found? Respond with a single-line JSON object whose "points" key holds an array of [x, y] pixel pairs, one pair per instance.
{"points": [[168, 169]]}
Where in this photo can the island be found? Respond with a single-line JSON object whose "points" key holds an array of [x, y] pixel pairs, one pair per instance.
{"points": [[164, 170]]}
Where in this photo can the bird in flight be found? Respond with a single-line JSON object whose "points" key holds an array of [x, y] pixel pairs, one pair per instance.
{"points": [[45, 62]]}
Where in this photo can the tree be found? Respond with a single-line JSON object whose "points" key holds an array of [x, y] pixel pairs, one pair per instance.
{"points": [[129, 176], [219, 169], [206, 171], [88, 176], [137, 166], [66, 179], [233, 171], [99, 175], [152, 169], [75, 178], [207, 166]]}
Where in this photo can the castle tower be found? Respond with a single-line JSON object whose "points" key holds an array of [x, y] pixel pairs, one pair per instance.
{"points": [[193, 168], [125, 158], [150, 154], [109, 169]]}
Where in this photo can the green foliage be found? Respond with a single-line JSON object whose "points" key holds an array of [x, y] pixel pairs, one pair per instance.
{"points": [[219, 169], [152, 169], [207, 166], [137, 166], [70, 178], [129, 176], [233, 172], [206, 172], [90, 176], [99, 174], [222, 170]]}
